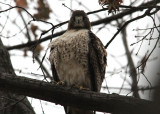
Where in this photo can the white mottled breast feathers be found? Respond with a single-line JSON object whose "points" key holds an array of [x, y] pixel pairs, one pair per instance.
{"points": [[70, 57]]}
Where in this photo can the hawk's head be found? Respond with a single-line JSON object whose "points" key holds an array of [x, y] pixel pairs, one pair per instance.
{"points": [[79, 20]]}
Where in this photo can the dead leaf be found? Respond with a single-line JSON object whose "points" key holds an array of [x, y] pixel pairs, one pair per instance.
{"points": [[112, 4], [39, 48], [43, 10], [25, 53], [21, 3], [34, 29]]}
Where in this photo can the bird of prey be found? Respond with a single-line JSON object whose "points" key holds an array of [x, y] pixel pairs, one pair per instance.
{"points": [[78, 57]]}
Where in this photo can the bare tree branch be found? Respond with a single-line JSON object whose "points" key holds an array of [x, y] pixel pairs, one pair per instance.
{"points": [[101, 21], [147, 13]]}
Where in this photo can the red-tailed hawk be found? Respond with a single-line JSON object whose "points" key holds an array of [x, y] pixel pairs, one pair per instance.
{"points": [[78, 57]]}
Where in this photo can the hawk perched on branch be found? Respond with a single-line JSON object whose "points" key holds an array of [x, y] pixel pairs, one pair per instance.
{"points": [[78, 57]]}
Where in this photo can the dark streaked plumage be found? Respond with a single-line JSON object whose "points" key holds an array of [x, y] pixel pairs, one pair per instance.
{"points": [[78, 57]]}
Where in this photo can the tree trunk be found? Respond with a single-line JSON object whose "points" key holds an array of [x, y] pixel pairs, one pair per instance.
{"points": [[132, 72], [11, 103]]}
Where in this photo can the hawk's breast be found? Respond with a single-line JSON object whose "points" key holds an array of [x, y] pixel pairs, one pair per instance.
{"points": [[70, 57]]}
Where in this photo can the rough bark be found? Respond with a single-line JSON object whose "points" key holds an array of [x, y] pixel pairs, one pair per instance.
{"points": [[74, 97], [11, 103]]}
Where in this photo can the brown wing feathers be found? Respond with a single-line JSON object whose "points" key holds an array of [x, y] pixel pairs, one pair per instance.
{"points": [[97, 61], [54, 72]]}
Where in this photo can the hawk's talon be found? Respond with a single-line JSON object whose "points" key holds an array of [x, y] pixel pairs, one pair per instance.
{"points": [[79, 87], [57, 83], [60, 83], [82, 88]]}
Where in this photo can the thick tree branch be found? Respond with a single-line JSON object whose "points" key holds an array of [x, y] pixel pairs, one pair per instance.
{"points": [[75, 97]]}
